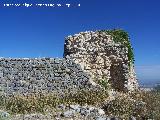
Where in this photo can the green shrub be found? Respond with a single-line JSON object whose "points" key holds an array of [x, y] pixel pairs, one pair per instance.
{"points": [[104, 83]]}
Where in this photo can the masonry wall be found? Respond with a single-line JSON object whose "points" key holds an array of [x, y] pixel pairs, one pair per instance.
{"points": [[88, 58], [102, 58], [41, 76]]}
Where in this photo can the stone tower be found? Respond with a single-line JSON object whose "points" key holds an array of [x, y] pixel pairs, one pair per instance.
{"points": [[102, 58]]}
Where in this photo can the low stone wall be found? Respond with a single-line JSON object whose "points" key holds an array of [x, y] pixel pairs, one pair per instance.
{"points": [[41, 76]]}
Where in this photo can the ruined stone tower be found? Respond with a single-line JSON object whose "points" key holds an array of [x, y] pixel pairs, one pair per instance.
{"points": [[104, 55], [88, 58]]}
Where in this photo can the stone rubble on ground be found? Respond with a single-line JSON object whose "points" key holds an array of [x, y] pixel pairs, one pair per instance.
{"points": [[72, 112]]}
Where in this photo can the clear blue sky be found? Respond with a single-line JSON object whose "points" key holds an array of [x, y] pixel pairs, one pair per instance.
{"points": [[40, 32]]}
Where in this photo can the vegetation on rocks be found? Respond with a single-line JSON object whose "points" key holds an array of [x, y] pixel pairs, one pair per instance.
{"points": [[40, 103], [122, 37], [152, 100], [140, 105], [105, 84]]}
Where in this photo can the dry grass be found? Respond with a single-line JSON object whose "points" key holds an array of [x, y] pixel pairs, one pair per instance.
{"points": [[39, 103], [142, 105]]}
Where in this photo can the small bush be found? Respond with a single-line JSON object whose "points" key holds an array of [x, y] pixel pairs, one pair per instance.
{"points": [[90, 97], [142, 105], [123, 107], [105, 84], [152, 100]]}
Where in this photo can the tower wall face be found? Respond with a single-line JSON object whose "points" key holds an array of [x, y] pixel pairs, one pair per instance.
{"points": [[102, 58]]}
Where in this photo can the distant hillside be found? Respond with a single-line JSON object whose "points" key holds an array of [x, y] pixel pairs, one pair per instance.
{"points": [[149, 83]]}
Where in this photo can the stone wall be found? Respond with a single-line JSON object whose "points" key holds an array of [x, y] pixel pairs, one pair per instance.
{"points": [[88, 58], [102, 58], [41, 76]]}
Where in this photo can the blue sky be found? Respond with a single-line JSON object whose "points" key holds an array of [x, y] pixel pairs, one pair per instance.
{"points": [[40, 32]]}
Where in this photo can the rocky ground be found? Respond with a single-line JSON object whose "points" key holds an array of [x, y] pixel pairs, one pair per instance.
{"points": [[72, 112], [69, 112], [117, 106]]}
